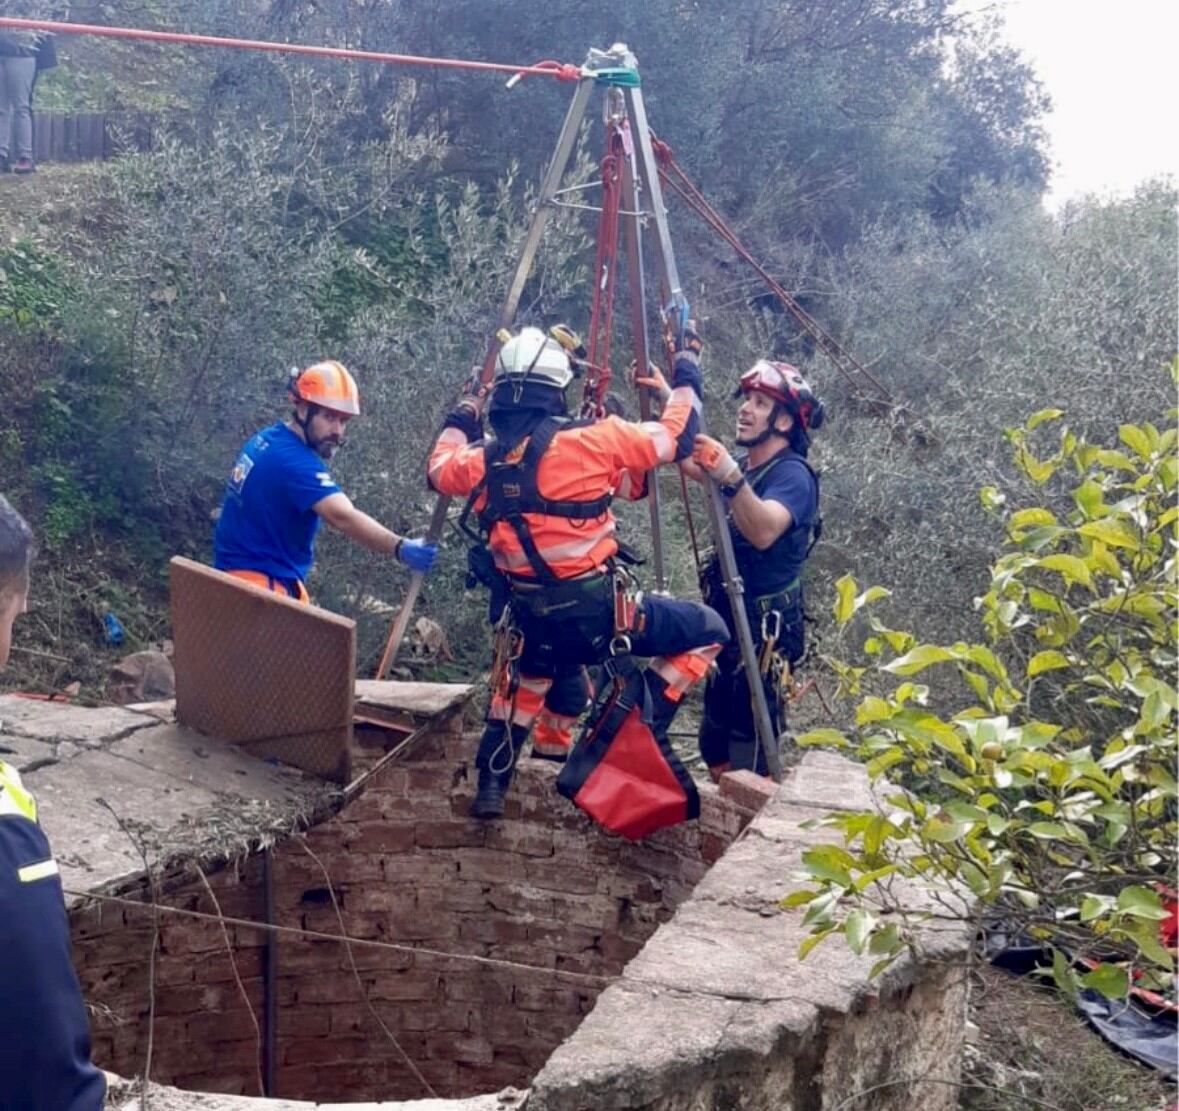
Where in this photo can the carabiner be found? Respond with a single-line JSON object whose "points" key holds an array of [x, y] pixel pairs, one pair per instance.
{"points": [[769, 641]]}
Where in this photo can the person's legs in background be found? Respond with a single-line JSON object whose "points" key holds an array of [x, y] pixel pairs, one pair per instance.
{"points": [[552, 737], [16, 112], [6, 114]]}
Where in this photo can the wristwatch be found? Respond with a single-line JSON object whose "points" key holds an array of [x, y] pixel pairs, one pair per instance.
{"points": [[732, 491]]}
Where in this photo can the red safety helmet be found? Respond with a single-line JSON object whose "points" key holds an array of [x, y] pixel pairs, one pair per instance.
{"points": [[783, 384]]}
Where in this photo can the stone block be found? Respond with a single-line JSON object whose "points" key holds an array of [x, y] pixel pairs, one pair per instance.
{"points": [[27, 753], [490, 866], [450, 834], [824, 779], [551, 875], [380, 838], [62, 721], [747, 789]]}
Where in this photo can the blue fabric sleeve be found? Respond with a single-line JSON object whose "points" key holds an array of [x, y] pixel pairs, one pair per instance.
{"points": [[44, 1028], [687, 373], [308, 481], [791, 485], [686, 440]]}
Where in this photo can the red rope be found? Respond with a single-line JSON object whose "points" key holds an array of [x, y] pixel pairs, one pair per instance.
{"points": [[681, 184], [605, 274], [562, 71]]}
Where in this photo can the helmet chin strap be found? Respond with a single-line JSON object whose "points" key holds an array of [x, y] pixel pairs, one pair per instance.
{"points": [[759, 439], [321, 448]]}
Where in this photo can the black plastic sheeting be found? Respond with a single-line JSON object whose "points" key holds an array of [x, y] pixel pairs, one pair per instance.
{"points": [[1144, 1033]]}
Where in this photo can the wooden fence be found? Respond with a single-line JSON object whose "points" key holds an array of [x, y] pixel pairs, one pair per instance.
{"points": [[89, 136]]}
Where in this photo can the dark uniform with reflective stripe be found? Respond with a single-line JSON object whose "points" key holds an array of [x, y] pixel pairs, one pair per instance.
{"points": [[44, 1033], [774, 604]]}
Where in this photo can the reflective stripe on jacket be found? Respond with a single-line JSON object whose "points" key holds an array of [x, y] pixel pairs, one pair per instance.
{"points": [[44, 1030], [583, 462]]}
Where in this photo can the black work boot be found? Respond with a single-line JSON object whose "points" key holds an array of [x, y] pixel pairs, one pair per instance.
{"points": [[489, 799], [499, 749]]}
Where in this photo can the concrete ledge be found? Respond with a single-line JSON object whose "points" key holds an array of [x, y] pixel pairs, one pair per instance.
{"points": [[122, 1095], [718, 1011]]}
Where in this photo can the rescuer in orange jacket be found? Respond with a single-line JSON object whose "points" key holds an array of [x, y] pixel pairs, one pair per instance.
{"points": [[542, 485]]}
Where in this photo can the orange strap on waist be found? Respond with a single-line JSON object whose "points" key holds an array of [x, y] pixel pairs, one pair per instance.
{"points": [[276, 586]]}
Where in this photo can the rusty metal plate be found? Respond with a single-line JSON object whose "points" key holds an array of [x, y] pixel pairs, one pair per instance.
{"points": [[263, 671]]}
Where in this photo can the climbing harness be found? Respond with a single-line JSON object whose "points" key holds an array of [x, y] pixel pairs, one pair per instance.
{"points": [[512, 491], [635, 168]]}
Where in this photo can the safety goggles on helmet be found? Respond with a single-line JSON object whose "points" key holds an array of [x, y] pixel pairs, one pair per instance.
{"points": [[783, 384], [328, 385]]}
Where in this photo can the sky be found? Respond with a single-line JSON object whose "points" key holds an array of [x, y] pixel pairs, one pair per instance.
{"points": [[1110, 68]]}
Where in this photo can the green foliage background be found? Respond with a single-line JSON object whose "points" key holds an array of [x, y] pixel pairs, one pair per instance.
{"points": [[289, 210], [884, 158], [1038, 795]]}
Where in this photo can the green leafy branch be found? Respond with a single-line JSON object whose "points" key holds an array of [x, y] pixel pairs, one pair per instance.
{"points": [[1040, 784]]}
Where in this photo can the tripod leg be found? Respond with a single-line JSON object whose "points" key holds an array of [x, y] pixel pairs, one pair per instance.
{"points": [[717, 518], [632, 195], [548, 189], [549, 186]]}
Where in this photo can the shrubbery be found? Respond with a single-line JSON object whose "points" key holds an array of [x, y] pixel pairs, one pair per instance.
{"points": [[1039, 765]]}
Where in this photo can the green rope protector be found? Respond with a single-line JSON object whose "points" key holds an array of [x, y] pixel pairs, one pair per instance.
{"points": [[618, 77]]}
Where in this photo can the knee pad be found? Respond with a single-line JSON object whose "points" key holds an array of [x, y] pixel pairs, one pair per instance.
{"points": [[679, 672], [552, 737]]}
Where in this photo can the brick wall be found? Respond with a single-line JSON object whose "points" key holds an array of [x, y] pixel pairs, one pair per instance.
{"points": [[543, 888]]}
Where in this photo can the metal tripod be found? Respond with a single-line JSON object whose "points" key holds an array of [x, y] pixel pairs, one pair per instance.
{"points": [[616, 71]]}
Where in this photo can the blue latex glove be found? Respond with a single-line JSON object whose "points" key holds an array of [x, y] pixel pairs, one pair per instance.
{"points": [[417, 555]]}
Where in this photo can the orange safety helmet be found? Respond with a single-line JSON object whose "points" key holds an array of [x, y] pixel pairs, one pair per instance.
{"points": [[328, 385]]}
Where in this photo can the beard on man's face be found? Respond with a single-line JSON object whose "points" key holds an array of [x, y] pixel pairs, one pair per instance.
{"points": [[328, 446]]}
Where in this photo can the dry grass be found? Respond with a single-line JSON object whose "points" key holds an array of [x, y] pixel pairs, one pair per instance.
{"points": [[1032, 1045]]}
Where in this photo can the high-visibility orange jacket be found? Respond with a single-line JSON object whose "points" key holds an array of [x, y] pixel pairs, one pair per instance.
{"points": [[583, 463]]}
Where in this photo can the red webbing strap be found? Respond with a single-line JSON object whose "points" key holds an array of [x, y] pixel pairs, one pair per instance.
{"points": [[605, 276], [674, 177], [562, 71]]}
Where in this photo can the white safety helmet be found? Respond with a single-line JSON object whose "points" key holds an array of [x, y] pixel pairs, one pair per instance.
{"points": [[531, 356]]}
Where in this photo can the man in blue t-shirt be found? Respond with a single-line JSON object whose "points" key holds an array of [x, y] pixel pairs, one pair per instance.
{"points": [[773, 508], [280, 489]]}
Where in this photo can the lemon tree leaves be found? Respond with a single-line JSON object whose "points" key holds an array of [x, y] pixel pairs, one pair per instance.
{"points": [[1036, 770]]}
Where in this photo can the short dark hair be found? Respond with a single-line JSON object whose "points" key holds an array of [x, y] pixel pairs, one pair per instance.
{"points": [[17, 547]]}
